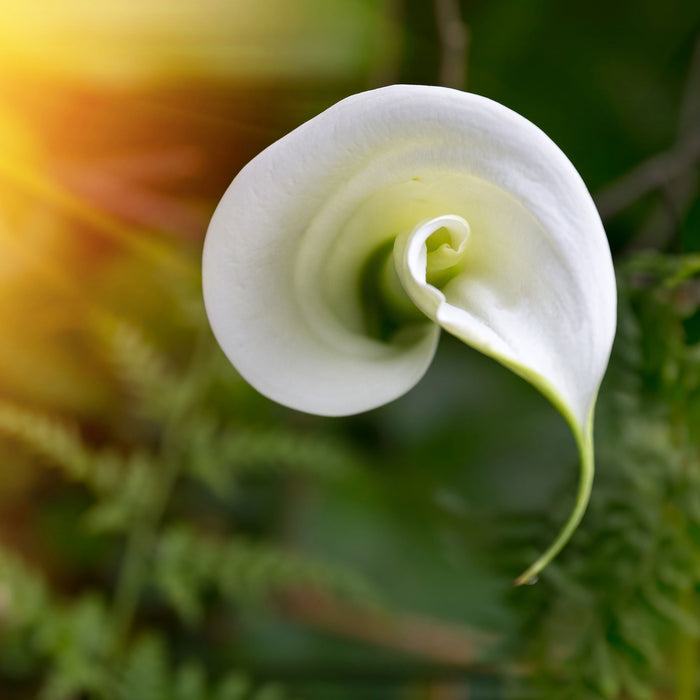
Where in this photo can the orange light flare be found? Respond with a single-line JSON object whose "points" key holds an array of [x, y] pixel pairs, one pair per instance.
{"points": [[121, 124], [127, 105], [127, 186], [78, 197], [98, 149], [83, 72]]}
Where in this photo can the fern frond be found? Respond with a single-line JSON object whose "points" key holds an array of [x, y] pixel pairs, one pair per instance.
{"points": [[109, 474], [234, 686], [190, 683], [146, 673], [23, 592], [79, 642], [48, 438], [131, 499], [188, 565], [218, 457], [141, 368], [629, 583], [149, 675]]}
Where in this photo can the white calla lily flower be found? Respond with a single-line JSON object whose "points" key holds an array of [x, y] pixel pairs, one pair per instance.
{"points": [[338, 254]]}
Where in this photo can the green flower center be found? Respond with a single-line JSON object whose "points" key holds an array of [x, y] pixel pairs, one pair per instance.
{"points": [[386, 306]]}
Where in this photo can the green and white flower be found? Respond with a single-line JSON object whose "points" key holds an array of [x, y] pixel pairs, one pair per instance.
{"points": [[337, 255]]}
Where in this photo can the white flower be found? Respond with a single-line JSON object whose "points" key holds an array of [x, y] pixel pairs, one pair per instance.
{"points": [[337, 254]]}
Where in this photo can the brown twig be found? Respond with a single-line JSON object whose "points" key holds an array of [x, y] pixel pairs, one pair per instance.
{"points": [[454, 43], [667, 217], [420, 636], [650, 175], [670, 172], [690, 104]]}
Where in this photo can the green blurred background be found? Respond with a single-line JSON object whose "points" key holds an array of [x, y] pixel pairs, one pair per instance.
{"points": [[167, 533]]}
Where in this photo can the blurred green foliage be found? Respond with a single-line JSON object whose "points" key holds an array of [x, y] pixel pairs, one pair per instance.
{"points": [[167, 533], [138, 507]]}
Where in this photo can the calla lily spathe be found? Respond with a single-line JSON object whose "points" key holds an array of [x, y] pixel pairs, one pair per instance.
{"points": [[489, 233]]}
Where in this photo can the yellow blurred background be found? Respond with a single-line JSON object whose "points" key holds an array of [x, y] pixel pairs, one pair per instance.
{"points": [[120, 125]]}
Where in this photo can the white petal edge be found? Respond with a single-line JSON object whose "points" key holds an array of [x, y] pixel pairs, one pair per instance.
{"points": [[280, 221], [285, 241]]}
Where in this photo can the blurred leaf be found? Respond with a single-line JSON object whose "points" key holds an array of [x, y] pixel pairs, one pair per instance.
{"points": [[146, 673], [188, 564]]}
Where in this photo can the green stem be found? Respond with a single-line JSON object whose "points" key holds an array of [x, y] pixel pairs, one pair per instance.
{"points": [[585, 445]]}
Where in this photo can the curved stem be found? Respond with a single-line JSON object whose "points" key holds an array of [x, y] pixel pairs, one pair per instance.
{"points": [[585, 445]]}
